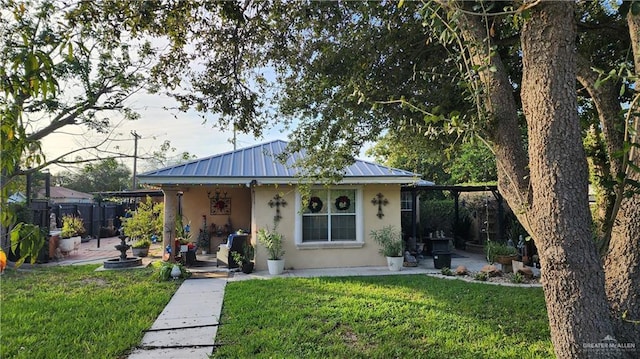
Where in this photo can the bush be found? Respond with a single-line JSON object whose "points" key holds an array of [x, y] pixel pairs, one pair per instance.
{"points": [[495, 249], [142, 243], [72, 226], [164, 271], [390, 240], [272, 241], [145, 221]]}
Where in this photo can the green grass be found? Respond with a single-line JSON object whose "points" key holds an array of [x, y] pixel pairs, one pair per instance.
{"points": [[381, 317], [75, 312]]}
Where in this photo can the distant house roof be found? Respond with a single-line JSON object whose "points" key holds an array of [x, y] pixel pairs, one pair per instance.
{"points": [[60, 194], [260, 163], [17, 197]]}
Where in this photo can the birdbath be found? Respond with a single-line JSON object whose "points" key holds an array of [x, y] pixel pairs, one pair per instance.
{"points": [[122, 261]]}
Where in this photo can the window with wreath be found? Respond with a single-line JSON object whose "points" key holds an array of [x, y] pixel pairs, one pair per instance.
{"points": [[330, 216]]}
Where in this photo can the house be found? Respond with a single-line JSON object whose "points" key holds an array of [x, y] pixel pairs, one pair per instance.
{"points": [[17, 197], [250, 189], [59, 194]]}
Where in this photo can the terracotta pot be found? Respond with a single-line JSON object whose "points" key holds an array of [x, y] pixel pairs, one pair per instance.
{"points": [[506, 260], [53, 245]]}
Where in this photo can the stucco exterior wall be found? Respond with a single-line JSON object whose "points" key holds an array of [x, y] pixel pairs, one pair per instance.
{"points": [[196, 204], [325, 257]]}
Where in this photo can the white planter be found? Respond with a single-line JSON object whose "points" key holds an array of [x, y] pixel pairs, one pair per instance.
{"points": [[275, 266], [66, 245], [395, 263]]}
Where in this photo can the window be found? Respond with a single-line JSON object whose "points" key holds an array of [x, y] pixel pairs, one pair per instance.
{"points": [[406, 201], [332, 216]]}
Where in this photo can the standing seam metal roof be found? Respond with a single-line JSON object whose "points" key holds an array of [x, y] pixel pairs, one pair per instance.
{"points": [[260, 161]]}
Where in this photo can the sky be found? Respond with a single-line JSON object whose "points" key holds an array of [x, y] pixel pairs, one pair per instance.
{"points": [[186, 132]]}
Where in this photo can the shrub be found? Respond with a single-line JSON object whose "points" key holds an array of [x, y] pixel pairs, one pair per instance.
{"points": [[72, 226], [481, 276], [145, 221], [272, 241], [495, 249], [446, 271], [390, 240]]}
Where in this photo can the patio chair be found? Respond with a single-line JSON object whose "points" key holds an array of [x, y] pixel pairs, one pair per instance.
{"points": [[235, 243]]}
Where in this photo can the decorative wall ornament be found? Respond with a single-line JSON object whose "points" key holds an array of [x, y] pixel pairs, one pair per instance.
{"points": [[277, 202], [219, 204], [315, 204], [379, 201], [343, 203]]}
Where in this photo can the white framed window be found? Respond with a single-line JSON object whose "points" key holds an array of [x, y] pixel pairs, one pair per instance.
{"points": [[332, 218], [406, 201]]}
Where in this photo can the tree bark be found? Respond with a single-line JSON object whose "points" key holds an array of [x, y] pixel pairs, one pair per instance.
{"points": [[572, 274], [622, 263]]}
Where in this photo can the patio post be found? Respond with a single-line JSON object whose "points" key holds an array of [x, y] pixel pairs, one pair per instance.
{"points": [[169, 232]]}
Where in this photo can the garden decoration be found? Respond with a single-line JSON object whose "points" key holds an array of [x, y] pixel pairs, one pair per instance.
{"points": [[122, 261]]}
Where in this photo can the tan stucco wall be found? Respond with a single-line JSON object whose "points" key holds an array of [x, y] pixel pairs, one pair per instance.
{"points": [[367, 255], [196, 203]]}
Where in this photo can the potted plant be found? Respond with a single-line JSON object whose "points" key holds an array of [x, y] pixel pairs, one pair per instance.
{"points": [[245, 259], [140, 225], [72, 229], [500, 252], [272, 241], [391, 246], [140, 247]]}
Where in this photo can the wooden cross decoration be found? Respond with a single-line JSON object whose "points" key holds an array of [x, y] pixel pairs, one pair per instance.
{"points": [[277, 202], [379, 201]]}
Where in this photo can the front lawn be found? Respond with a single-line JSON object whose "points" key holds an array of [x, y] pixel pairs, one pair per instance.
{"points": [[381, 317], [75, 312]]}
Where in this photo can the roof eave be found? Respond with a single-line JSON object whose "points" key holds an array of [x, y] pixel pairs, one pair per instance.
{"points": [[172, 180]]}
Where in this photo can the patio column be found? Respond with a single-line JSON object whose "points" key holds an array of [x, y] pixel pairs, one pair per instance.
{"points": [[169, 233]]}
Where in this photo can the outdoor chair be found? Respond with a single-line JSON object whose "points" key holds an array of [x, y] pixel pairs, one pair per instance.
{"points": [[235, 243]]}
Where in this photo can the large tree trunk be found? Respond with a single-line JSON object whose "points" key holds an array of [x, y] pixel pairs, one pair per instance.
{"points": [[572, 275], [622, 263]]}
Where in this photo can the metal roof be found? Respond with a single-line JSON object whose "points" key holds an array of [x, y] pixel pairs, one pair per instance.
{"points": [[260, 163]]}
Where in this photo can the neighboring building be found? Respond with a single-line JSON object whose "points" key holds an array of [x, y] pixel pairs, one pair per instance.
{"points": [[249, 189], [65, 195]]}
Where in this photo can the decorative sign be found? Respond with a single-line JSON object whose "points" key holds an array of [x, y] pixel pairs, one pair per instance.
{"points": [[379, 201]]}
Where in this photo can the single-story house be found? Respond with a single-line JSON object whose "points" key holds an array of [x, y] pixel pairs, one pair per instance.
{"points": [[59, 194], [250, 189]]}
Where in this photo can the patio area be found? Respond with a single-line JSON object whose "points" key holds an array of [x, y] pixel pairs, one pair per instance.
{"points": [[90, 253]]}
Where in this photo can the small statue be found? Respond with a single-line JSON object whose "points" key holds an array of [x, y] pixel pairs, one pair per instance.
{"points": [[53, 223], [521, 245]]}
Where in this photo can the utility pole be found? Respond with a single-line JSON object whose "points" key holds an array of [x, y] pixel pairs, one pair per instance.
{"points": [[135, 159]]}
